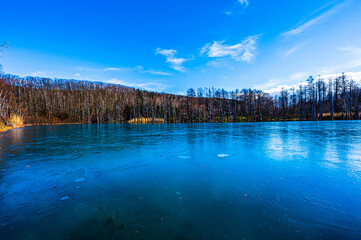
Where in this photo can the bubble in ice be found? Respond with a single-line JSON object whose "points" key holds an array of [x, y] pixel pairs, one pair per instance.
{"points": [[184, 157], [64, 198], [178, 193], [222, 155], [79, 179]]}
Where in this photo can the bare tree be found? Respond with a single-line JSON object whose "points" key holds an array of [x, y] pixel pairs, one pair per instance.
{"points": [[43, 100], [2, 101]]}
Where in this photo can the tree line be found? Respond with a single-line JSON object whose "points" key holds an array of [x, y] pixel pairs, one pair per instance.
{"points": [[44, 100]]}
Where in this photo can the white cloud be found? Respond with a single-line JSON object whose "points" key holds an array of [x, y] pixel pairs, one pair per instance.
{"points": [[112, 69], [138, 68], [43, 74], [353, 62], [268, 85], [217, 63], [275, 85], [243, 51], [243, 2], [302, 28], [298, 76], [355, 52], [277, 90], [175, 63], [307, 25], [109, 69], [149, 86], [153, 72], [291, 50], [166, 52], [182, 93], [356, 76]]}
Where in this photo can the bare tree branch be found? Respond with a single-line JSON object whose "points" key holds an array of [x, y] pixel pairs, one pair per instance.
{"points": [[3, 46]]}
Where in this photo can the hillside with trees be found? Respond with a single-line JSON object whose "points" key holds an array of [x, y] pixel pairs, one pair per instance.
{"points": [[44, 100]]}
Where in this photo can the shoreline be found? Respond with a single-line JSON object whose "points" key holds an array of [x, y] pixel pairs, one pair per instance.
{"points": [[8, 128]]}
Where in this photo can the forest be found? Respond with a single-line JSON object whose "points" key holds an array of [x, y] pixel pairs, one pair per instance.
{"points": [[43, 100]]}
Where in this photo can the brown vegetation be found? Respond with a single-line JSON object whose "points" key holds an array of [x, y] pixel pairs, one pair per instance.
{"points": [[4, 128], [15, 121], [146, 120], [49, 101]]}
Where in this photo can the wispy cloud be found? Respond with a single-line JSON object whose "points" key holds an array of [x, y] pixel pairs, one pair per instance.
{"points": [[182, 93], [92, 69], [175, 63], [243, 51], [153, 72], [112, 69], [292, 50], [243, 2], [150, 86], [268, 85], [298, 76], [355, 52], [139, 69], [218, 63], [302, 28], [275, 84], [44, 74], [310, 23], [354, 60], [282, 84]]}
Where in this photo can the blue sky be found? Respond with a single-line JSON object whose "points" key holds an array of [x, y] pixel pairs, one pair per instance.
{"points": [[168, 45]]}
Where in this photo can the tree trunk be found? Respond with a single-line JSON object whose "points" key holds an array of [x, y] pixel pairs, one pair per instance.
{"points": [[5, 122]]}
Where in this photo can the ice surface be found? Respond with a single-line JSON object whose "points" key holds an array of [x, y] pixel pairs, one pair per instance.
{"points": [[277, 181]]}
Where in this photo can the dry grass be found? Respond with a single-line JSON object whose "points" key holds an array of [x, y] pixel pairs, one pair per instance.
{"points": [[4, 128], [146, 120], [15, 121], [336, 115]]}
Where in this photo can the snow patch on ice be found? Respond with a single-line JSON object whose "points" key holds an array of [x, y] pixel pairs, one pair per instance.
{"points": [[222, 155], [64, 198], [79, 179]]}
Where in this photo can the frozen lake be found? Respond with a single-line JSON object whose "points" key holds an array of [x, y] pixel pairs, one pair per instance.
{"points": [[292, 180]]}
